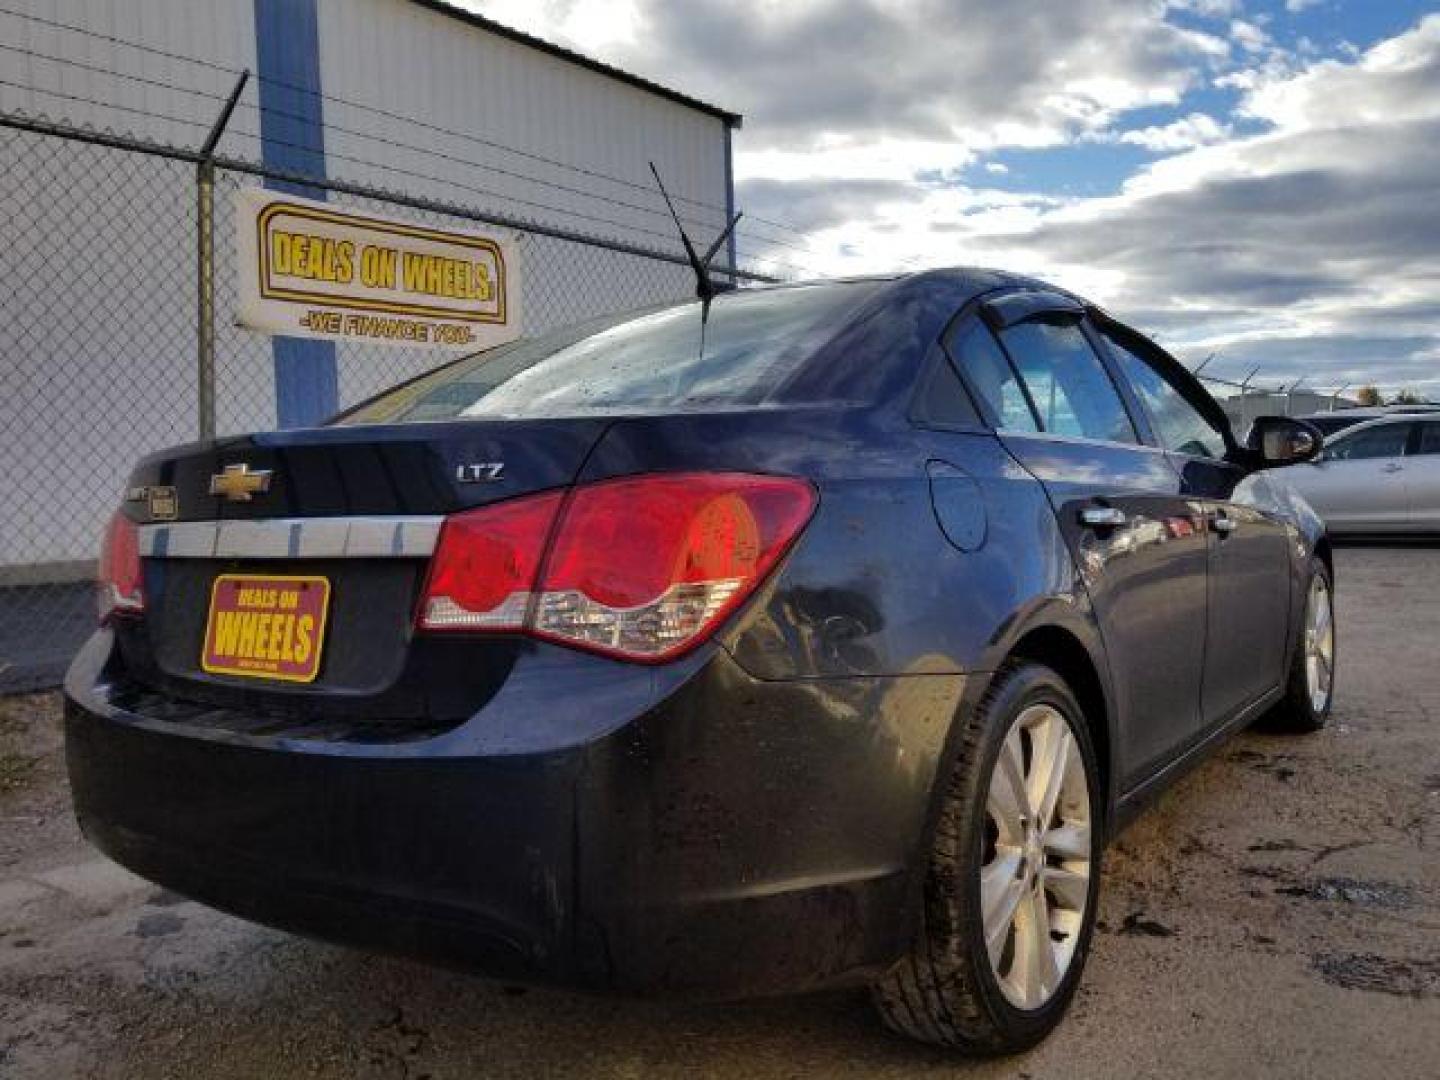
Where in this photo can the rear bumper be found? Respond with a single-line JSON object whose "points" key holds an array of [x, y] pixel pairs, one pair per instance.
{"points": [[725, 837]]}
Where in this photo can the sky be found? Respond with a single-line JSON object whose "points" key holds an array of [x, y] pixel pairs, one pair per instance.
{"points": [[1253, 179]]}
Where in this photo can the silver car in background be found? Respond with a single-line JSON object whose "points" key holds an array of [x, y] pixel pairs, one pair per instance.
{"points": [[1337, 420], [1381, 476]]}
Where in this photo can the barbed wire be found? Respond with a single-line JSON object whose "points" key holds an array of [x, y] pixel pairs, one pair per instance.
{"points": [[752, 239], [668, 237], [349, 103]]}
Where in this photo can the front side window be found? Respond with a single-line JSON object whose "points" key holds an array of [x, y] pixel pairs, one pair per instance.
{"points": [[1178, 424], [1070, 387], [1387, 440], [663, 359]]}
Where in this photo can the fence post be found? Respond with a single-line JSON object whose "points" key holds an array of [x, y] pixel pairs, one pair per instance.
{"points": [[1245, 398], [205, 264]]}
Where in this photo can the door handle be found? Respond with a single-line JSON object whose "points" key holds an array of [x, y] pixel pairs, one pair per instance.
{"points": [[1102, 517], [1224, 525]]}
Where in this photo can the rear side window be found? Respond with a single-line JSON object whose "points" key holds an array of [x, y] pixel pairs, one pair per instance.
{"points": [[1180, 427], [751, 345], [1071, 389], [992, 378], [1429, 438], [941, 400], [1388, 440]]}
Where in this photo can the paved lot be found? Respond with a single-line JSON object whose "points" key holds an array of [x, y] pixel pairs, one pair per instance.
{"points": [[1278, 914]]}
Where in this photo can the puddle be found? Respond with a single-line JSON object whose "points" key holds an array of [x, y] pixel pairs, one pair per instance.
{"points": [[1351, 891], [1136, 923], [1277, 845], [1380, 974], [1273, 764]]}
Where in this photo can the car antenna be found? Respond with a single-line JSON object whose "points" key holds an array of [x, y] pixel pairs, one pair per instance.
{"points": [[705, 288]]}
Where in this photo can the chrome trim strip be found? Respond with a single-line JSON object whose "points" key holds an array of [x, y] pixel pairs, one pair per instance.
{"points": [[411, 537]]}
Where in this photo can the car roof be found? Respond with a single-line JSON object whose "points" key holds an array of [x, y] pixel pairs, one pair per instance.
{"points": [[971, 280], [1387, 420], [1376, 411]]}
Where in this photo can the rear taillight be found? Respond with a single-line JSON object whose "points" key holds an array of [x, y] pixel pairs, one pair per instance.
{"points": [[641, 568], [484, 568], [121, 587]]}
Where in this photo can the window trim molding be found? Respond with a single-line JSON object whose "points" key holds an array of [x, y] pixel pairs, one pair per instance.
{"points": [[937, 356]]}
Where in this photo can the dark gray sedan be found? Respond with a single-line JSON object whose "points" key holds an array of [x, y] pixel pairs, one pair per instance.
{"points": [[822, 635]]}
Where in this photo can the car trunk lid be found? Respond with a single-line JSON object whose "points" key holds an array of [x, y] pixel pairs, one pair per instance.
{"points": [[337, 524]]}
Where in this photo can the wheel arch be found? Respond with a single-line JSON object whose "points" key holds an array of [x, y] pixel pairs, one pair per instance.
{"points": [[1076, 654], [1050, 637], [1326, 554], [1059, 649]]}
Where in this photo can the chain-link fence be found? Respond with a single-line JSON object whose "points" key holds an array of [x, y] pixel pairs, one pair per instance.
{"points": [[99, 343]]}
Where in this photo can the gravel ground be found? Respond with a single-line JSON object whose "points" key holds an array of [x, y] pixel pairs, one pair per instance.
{"points": [[1276, 914]]}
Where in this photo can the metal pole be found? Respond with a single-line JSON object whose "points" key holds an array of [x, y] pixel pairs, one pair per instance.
{"points": [[205, 295], [1245, 398], [205, 265], [1290, 394]]}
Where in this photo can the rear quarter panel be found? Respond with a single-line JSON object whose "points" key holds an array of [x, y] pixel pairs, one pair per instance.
{"points": [[874, 587]]}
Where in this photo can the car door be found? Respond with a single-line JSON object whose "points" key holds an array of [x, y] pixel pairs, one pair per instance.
{"points": [[1247, 620], [1422, 477], [1358, 482], [1135, 539]]}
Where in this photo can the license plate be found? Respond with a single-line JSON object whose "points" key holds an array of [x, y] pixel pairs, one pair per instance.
{"points": [[266, 626]]}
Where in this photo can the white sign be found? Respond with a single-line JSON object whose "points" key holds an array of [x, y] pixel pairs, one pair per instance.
{"points": [[309, 269]]}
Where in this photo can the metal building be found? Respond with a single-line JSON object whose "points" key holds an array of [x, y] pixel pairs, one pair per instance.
{"points": [[416, 95]]}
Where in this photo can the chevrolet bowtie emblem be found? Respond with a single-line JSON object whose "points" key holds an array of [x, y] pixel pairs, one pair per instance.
{"points": [[238, 484]]}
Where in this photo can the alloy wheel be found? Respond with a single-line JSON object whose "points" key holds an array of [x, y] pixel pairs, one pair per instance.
{"points": [[1319, 644], [1038, 853]]}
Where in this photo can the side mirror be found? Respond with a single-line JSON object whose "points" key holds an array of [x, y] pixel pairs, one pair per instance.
{"points": [[1278, 440]]}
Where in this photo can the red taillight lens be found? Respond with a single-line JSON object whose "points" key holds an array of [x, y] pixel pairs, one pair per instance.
{"points": [[121, 585], [646, 567], [485, 565], [642, 568]]}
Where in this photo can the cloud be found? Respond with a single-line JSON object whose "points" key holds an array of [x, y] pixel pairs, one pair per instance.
{"points": [[820, 73], [1213, 9], [1248, 35], [1313, 245], [1299, 233], [1191, 131], [1320, 232]]}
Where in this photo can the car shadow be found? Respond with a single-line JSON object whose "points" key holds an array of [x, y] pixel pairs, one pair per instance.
{"points": [[418, 1020]]}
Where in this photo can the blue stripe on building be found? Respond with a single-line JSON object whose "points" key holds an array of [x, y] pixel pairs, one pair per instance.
{"points": [[292, 138]]}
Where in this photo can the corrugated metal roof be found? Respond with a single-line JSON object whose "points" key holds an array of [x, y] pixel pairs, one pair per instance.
{"points": [[484, 23]]}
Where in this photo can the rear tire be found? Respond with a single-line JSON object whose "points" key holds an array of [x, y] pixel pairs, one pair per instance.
{"points": [[973, 980], [1310, 690]]}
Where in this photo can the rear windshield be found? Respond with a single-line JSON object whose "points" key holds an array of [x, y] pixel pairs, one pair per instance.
{"points": [[641, 362]]}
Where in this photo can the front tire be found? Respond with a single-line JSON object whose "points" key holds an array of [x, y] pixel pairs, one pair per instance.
{"points": [[1013, 876], [1311, 687]]}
